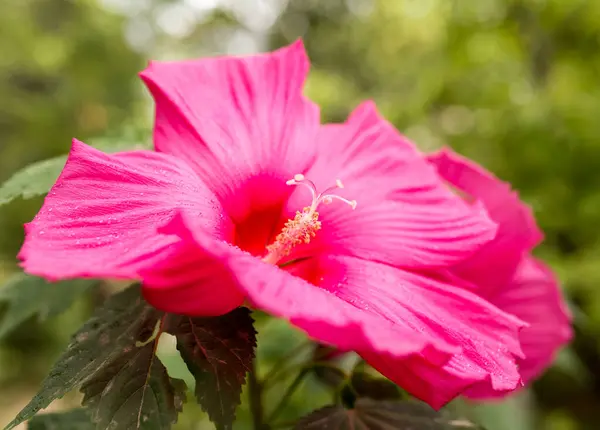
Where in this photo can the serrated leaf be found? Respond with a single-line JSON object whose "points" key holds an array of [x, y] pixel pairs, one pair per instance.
{"points": [[218, 352], [113, 330], [27, 296], [369, 414], [76, 419], [36, 179], [134, 392]]}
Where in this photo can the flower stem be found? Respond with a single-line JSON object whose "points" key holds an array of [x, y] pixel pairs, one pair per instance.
{"points": [[255, 399], [288, 394]]}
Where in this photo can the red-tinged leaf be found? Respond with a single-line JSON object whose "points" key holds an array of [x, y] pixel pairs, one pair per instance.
{"points": [[369, 414], [134, 392], [218, 352], [112, 359]]}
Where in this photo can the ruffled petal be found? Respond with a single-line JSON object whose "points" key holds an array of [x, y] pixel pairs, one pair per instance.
{"points": [[487, 336], [403, 235], [323, 315], [395, 319], [493, 266], [241, 122], [101, 216], [373, 160], [406, 216], [535, 297]]}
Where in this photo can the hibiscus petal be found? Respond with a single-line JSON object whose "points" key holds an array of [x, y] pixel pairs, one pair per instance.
{"points": [[242, 123], [191, 282], [323, 315], [406, 325], [372, 158], [487, 336], [493, 266], [101, 216], [535, 297], [406, 216]]}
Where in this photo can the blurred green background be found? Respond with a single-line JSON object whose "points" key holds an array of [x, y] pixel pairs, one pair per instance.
{"points": [[514, 84]]}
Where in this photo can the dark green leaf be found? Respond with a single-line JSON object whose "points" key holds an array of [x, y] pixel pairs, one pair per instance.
{"points": [[134, 392], [37, 178], [365, 385], [27, 296], [113, 330], [369, 414], [331, 376], [326, 369], [76, 419], [568, 362], [218, 352]]}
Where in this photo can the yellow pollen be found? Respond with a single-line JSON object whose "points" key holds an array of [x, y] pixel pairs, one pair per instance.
{"points": [[304, 226]]}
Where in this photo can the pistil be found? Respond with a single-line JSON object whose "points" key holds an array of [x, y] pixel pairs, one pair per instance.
{"points": [[305, 224]]}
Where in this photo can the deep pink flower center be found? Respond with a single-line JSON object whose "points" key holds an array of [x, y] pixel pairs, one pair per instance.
{"points": [[257, 233]]}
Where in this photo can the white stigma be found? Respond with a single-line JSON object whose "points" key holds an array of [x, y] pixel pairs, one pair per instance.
{"points": [[325, 197]]}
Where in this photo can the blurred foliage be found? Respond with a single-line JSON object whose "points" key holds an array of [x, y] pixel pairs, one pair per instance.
{"points": [[65, 71], [511, 83]]}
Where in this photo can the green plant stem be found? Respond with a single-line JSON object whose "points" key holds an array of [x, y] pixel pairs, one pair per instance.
{"points": [[280, 365], [288, 394], [255, 399], [301, 366]]}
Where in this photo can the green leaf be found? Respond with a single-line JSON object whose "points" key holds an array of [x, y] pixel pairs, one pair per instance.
{"points": [[382, 415], [114, 329], [331, 376], [76, 419], [218, 352], [134, 392], [325, 368], [37, 178], [27, 296], [365, 385]]}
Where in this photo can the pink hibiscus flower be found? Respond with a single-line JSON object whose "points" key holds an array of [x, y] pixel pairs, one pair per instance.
{"points": [[243, 200], [505, 273]]}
